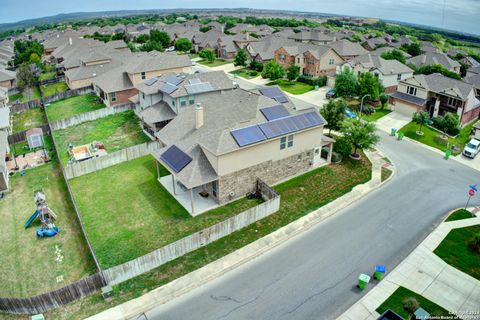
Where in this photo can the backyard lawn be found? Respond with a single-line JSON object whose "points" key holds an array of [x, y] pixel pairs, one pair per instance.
{"points": [[31, 118], [128, 213], [430, 136], [395, 303], [246, 73], [69, 107], [299, 196], [47, 76], [294, 87], [376, 115], [22, 147], [216, 63], [27, 95], [454, 250], [459, 215], [116, 132], [54, 88], [28, 265]]}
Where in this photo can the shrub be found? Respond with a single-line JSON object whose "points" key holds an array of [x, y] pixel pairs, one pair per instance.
{"points": [[253, 73], [451, 123], [320, 81], [410, 305], [336, 157], [383, 99], [342, 147], [255, 65], [368, 109], [475, 243], [438, 122]]}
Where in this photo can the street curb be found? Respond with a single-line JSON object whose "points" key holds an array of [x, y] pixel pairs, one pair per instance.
{"points": [[215, 269]]}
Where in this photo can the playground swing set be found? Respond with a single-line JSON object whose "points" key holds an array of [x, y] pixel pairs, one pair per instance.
{"points": [[45, 214]]}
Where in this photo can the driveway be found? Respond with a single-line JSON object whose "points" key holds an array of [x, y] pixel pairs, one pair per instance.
{"points": [[314, 97], [392, 120]]}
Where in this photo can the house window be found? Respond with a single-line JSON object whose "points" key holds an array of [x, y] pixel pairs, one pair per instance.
{"points": [[282, 57], [143, 75], [113, 96], [286, 142], [412, 91], [331, 61], [399, 77], [376, 75], [214, 188], [191, 100], [143, 96], [183, 101], [452, 102], [173, 102]]}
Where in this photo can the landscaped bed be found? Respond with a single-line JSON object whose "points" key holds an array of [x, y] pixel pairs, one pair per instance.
{"points": [[216, 63], [455, 250], [116, 132], [28, 265], [128, 213], [430, 136], [69, 107], [31, 118], [246, 73], [459, 215], [316, 188], [395, 303], [293, 87], [54, 88]]}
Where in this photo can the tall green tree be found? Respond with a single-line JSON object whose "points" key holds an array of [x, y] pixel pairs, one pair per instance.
{"points": [[293, 72], [360, 134], [421, 118], [273, 70], [346, 84], [25, 76], [161, 37], [207, 54], [334, 113], [152, 45], [412, 49], [394, 54], [183, 44], [369, 84], [241, 58]]}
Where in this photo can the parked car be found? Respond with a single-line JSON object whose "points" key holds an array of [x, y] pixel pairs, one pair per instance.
{"points": [[350, 114], [330, 94], [472, 148]]}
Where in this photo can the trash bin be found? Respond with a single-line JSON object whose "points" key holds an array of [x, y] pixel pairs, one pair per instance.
{"points": [[448, 153], [316, 88], [400, 136], [393, 131], [380, 271], [363, 279]]}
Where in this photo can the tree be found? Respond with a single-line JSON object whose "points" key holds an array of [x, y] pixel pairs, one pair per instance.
{"points": [[369, 84], [451, 122], [394, 55], [152, 45], [161, 37], [293, 72], [183, 44], [273, 70], [241, 58], [383, 99], [412, 49], [421, 118], [346, 84], [142, 38], [34, 57], [360, 134], [25, 76], [334, 113], [207, 54], [437, 68]]}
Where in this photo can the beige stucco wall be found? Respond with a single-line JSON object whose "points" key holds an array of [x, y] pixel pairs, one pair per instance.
{"points": [[136, 78], [268, 151], [471, 101], [421, 93], [330, 54], [75, 84]]}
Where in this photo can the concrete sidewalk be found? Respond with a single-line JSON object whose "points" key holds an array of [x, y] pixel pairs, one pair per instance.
{"points": [[392, 120], [426, 274], [229, 262]]}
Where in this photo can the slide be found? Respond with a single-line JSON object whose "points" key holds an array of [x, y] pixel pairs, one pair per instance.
{"points": [[29, 221]]}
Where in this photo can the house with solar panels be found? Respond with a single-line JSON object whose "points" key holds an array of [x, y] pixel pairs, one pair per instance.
{"points": [[160, 99], [217, 150]]}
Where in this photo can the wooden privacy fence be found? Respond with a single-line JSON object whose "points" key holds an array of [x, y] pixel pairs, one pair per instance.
{"points": [[21, 136], [53, 299], [89, 116], [154, 259], [50, 81], [88, 166]]}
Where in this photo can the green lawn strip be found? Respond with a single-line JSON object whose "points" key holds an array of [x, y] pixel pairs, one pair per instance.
{"points": [[430, 135], [216, 63], [299, 196], [54, 88], [47, 76], [385, 174], [27, 95], [69, 107], [28, 264], [395, 303], [294, 87], [28, 119], [245, 73], [116, 132], [22, 147], [376, 115], [459, 215], [454, 250], [141, 215]]}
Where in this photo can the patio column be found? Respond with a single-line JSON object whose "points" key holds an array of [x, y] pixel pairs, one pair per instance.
{"points": [[173, 185], [191, 200], [330, 151]]}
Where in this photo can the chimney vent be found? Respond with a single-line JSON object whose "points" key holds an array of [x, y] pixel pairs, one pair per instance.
{"points": [[198, 116]]}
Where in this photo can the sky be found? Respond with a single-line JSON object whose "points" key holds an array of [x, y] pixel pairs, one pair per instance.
{"points": [[461, 15]]}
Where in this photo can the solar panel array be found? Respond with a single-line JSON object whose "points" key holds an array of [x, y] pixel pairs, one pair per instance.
{"points": [[275, 128], [174, 80], [151, 81], [168, 88], [198, 88], [275, 112], [175, 158], [274, 93]]}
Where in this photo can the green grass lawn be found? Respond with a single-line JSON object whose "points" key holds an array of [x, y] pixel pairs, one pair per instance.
{"points": [[27, 95], [385, 174], [69, 107], [245, 73], [454, 250], [294, 87], [429, 136], [28, 266], [299, 196], [47, 76], [459, 215], [31, 118], [216, 63], [54, 88], [395, 303], [22, 147], [117, 131], [376, 115], [141, 215]]}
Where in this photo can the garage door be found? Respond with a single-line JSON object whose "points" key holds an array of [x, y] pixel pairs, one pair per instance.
{"points": [[405, 108]]}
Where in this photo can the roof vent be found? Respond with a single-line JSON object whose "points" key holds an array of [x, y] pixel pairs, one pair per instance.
{"points": [[94, 74]]}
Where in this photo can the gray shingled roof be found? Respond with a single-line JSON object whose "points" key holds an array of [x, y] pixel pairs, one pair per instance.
{"points": [[408, 98], [7, 75], [386, 67], [312, 35], [265, 48], [434, 58], [439, 83], [158, 112], [347, 48], [141, 62]]}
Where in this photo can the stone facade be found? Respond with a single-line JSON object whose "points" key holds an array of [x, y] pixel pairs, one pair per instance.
{"points": [[238, 184], [283, 58]]}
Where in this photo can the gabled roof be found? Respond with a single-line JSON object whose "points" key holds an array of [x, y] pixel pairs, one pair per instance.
{"points": [[434, 58], [347, 48], [385, 67], [143, 62], [440, 84], [265, 48], [312, 35], [7, 75]]}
